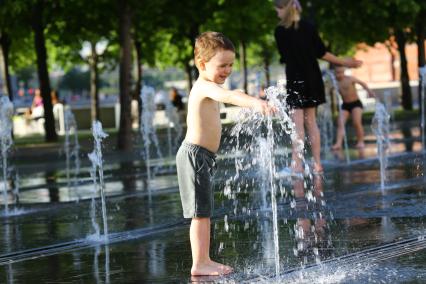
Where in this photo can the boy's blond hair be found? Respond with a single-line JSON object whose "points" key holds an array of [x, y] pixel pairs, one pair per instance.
{"points": [[208, 43]]}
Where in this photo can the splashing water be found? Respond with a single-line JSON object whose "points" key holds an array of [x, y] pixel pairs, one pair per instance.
{"points": [[147, 128], [72, 150], [270, 141], [325, 123], [16, 182], [97, 167], [258, 133], [380, 127], [263, 158], [338, 99], [6, 113], [422, 72], [174, 122]]}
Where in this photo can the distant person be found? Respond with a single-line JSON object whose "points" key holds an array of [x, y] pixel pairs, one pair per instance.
{"points": [[176, 99], [195, 160], [300, 46], [54, 95], [160, 100], [37, 109], [351, 106]]}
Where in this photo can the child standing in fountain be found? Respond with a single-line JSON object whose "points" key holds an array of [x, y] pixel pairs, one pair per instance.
{"points": [[351, 106], [195, 161]]}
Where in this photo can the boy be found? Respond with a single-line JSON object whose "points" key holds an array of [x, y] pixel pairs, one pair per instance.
{"points": [[351, 106], [195, 161]]}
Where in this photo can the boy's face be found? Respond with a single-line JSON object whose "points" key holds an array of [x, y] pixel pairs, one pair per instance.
{"points": [[219, 67], [340, 72]]}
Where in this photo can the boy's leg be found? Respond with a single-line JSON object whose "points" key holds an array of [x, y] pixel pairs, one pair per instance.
{"points": [[314, 136], [298, 141], [341, 121], [199, 234], [357, 122]]}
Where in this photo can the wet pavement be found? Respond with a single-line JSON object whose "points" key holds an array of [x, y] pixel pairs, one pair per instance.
{"points": [[340, 227]]}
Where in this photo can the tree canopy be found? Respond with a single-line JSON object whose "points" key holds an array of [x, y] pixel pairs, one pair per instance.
{"points": [[50, 34]]}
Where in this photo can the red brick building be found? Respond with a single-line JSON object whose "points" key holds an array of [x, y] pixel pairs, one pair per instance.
{"points": [[379, 59]]}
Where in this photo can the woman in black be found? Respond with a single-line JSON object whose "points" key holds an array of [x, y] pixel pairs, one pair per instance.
{"points": [[300, 46]]}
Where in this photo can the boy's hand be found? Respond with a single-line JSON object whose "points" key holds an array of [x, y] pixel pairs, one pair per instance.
{"points": [[371, 94], [264, 108], [352, 62]]}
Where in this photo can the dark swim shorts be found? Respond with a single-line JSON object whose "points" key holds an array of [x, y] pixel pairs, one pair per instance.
{"points": [[195, 169], [350, 106]]}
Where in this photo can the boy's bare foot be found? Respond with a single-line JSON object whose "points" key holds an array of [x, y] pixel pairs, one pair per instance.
{"points": [[336, 147], [211, 268], [360, 145]]}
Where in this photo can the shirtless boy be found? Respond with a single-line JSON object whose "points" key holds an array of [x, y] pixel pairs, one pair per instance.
{"points": [[195, 161], [351, 106]]}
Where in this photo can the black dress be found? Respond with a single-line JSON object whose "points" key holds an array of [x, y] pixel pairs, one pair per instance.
{"points": [[299, 49]]}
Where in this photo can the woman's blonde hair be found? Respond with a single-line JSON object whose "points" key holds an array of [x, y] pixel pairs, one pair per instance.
{"points": [[292, 11]]}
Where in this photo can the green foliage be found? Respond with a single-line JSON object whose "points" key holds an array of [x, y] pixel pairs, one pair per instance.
{"points": [[346, 23], [167, 29], [183, 21], [263, 48], [243, 20]]}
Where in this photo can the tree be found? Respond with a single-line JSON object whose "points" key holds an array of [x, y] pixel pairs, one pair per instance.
{"points": [[400, 20], [262, 52], [11, 30], [38, 26], [246, 22], [20, 19], [407, 102], [4, 64], [420, 31], [345, 23], [83, 38], [125, 24], [184, 20], [146, 40]]}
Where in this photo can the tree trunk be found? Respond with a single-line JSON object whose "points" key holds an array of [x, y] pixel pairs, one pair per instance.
{"points": [[4, 64], [125, 141], [266, 65], [421, 59], [243, 61], [42, 71], [407, 102], [139, 74], [420, 39], [94, 83], [188, 71], [193, 33]]}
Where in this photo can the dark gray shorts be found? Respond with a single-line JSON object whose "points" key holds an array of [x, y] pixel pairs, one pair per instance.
{"points": [[195, 169]]}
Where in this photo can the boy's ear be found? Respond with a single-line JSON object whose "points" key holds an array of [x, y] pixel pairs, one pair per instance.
{"points": [[201, 64]]}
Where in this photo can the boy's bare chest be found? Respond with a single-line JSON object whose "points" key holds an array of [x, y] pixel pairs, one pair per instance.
{"points": [[345, 87]]}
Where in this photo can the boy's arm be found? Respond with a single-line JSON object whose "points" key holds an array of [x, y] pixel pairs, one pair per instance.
{"points": [[364, 85], [236, 97]]}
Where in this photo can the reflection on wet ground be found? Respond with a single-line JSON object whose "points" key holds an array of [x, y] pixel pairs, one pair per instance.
{"points": [[340, 227]]}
